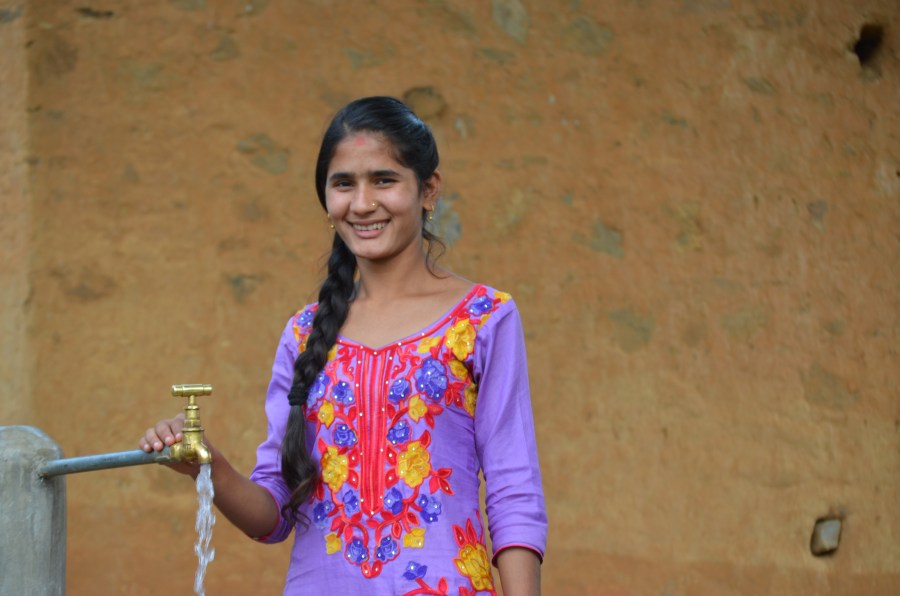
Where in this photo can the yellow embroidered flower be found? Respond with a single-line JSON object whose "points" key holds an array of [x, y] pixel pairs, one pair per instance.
{"points": [[471, 399], [473, 563], [461, 339], [459, 370], [300, 338], [333, 544], [414, 464], [332, 353], [326, 413], [502, 297], [334, 468], [415, 538], [426, 344], [417, 408]]}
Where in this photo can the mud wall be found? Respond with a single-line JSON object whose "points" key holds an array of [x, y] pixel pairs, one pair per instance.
{"points": [[695, 204]]}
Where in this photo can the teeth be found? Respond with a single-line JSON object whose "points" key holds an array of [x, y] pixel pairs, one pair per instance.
{"points": [[368, 228]]}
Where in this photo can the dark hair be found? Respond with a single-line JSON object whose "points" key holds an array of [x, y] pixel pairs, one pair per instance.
{"points": [[415, 148]]}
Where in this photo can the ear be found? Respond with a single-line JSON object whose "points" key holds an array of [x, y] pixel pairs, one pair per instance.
{"points": [[431, 191]]}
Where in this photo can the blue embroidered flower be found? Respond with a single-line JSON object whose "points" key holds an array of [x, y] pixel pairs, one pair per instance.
{"points": [[306, 318], [431, 379], [415, 571], [343, 393], [431, 508], [343, 435], [393, 501], [481, 305], [399, 433], [351, 502], [399, 390], [318, 389], [320, 513], [387, 549], [356, 552]]}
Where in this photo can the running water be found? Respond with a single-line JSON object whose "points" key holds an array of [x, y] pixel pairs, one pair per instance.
{"points": [[206, 519]]}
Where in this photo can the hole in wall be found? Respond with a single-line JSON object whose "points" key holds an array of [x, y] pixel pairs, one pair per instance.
{"points": [[92, 13], [867, 46]]}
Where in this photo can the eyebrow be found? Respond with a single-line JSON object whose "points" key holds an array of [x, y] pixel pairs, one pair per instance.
{"points": [[372, 174]]}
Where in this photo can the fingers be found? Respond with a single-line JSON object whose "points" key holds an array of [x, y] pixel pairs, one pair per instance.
{"points": [[164, 434]]}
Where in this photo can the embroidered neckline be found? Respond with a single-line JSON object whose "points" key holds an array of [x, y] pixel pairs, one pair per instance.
{"points": [[418, 335]]}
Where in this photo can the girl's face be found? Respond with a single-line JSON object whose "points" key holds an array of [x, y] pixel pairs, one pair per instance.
{"points": [[374, 202]]}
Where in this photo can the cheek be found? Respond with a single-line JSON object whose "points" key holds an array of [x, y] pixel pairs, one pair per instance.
{"points": [[334, 205]]}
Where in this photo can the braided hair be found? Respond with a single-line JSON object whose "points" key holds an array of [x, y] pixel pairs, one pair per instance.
{"points": [[415, 148]]}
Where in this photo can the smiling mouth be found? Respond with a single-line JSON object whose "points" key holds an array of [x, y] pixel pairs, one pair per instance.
{"points": [[369, 227]]}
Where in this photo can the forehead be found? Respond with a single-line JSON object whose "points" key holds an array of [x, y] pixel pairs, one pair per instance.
{"points": [[364, 151]]}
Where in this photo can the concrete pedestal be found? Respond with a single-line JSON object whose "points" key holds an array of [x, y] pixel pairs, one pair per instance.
{"points": [[32, 515]]}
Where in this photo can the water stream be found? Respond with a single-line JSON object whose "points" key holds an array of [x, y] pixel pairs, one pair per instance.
{"points": [[206, 519]]}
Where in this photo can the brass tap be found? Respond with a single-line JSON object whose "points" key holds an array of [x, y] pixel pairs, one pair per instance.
{"points": [[191, 448]]}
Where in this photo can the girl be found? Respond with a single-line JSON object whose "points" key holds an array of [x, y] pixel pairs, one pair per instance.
{"points": [[389, 395]]}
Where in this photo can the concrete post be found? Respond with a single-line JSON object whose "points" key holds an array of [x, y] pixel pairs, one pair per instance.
{"points": [[32, 515]]}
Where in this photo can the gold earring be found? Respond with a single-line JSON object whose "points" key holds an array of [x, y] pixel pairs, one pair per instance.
{"points": [[430, 214], [330, 223]]}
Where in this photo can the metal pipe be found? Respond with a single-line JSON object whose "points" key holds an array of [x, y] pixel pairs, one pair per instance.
{"points": [[103, 461]]}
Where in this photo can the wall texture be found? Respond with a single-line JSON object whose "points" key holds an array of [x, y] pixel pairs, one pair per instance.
{"points": [[694, 202]]}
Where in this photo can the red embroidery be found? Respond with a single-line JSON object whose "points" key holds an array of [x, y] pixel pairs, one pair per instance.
{"points": [[366, 423]]}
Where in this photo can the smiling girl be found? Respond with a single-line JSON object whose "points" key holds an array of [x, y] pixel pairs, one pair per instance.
{"points": [[389, 395]]}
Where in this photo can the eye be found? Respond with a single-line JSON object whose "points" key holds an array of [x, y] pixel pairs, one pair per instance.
{"points": [[341, 183], [384, 181]]}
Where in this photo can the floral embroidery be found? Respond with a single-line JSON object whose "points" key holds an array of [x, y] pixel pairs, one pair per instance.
{"points": [[431, 508], [317, 390], [342, 434], [305, 319], [426, 345], [387, 549], [333, 544], [431, 379], [473, 561], [379, 489], [471, 399], [415, 571], [393, 501], [302, 323], [351, 502], [414, 464], [417, 408], [461, 339], [480, 306], [415, 538], [356, 552], [399, 390], [320, 513], [334, 469], [399, 433], [343, 394], [326, 413], [459, 370]]}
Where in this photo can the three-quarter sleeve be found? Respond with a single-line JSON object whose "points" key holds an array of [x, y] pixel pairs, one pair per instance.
{"points": [[267, 472], [504, 435]]}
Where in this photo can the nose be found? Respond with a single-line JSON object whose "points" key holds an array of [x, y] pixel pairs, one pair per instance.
{"points": [[363, 199]]}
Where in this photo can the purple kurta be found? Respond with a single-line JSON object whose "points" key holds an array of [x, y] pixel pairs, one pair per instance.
{"points": [[399, 434]]}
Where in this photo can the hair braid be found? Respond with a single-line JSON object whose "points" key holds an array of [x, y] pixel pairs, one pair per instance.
{"points": [[297, 465]]}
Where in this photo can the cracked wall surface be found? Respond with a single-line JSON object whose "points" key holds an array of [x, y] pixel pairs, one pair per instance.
{"points": [[694, 203]]}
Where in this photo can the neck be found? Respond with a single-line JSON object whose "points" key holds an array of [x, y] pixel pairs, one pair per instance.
{"points": [[402, 275]]}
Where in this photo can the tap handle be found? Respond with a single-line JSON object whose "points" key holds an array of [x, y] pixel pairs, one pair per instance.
{"points": [[191, 390]]}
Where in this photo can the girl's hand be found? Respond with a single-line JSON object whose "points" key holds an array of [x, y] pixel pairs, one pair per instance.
{"points": [[166, 433]]}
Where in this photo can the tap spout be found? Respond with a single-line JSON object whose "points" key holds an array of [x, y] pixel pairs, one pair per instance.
{"points": [[191, 448]]}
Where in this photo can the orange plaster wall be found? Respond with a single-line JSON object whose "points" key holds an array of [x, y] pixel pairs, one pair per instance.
{"points": [[694, 203]]}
